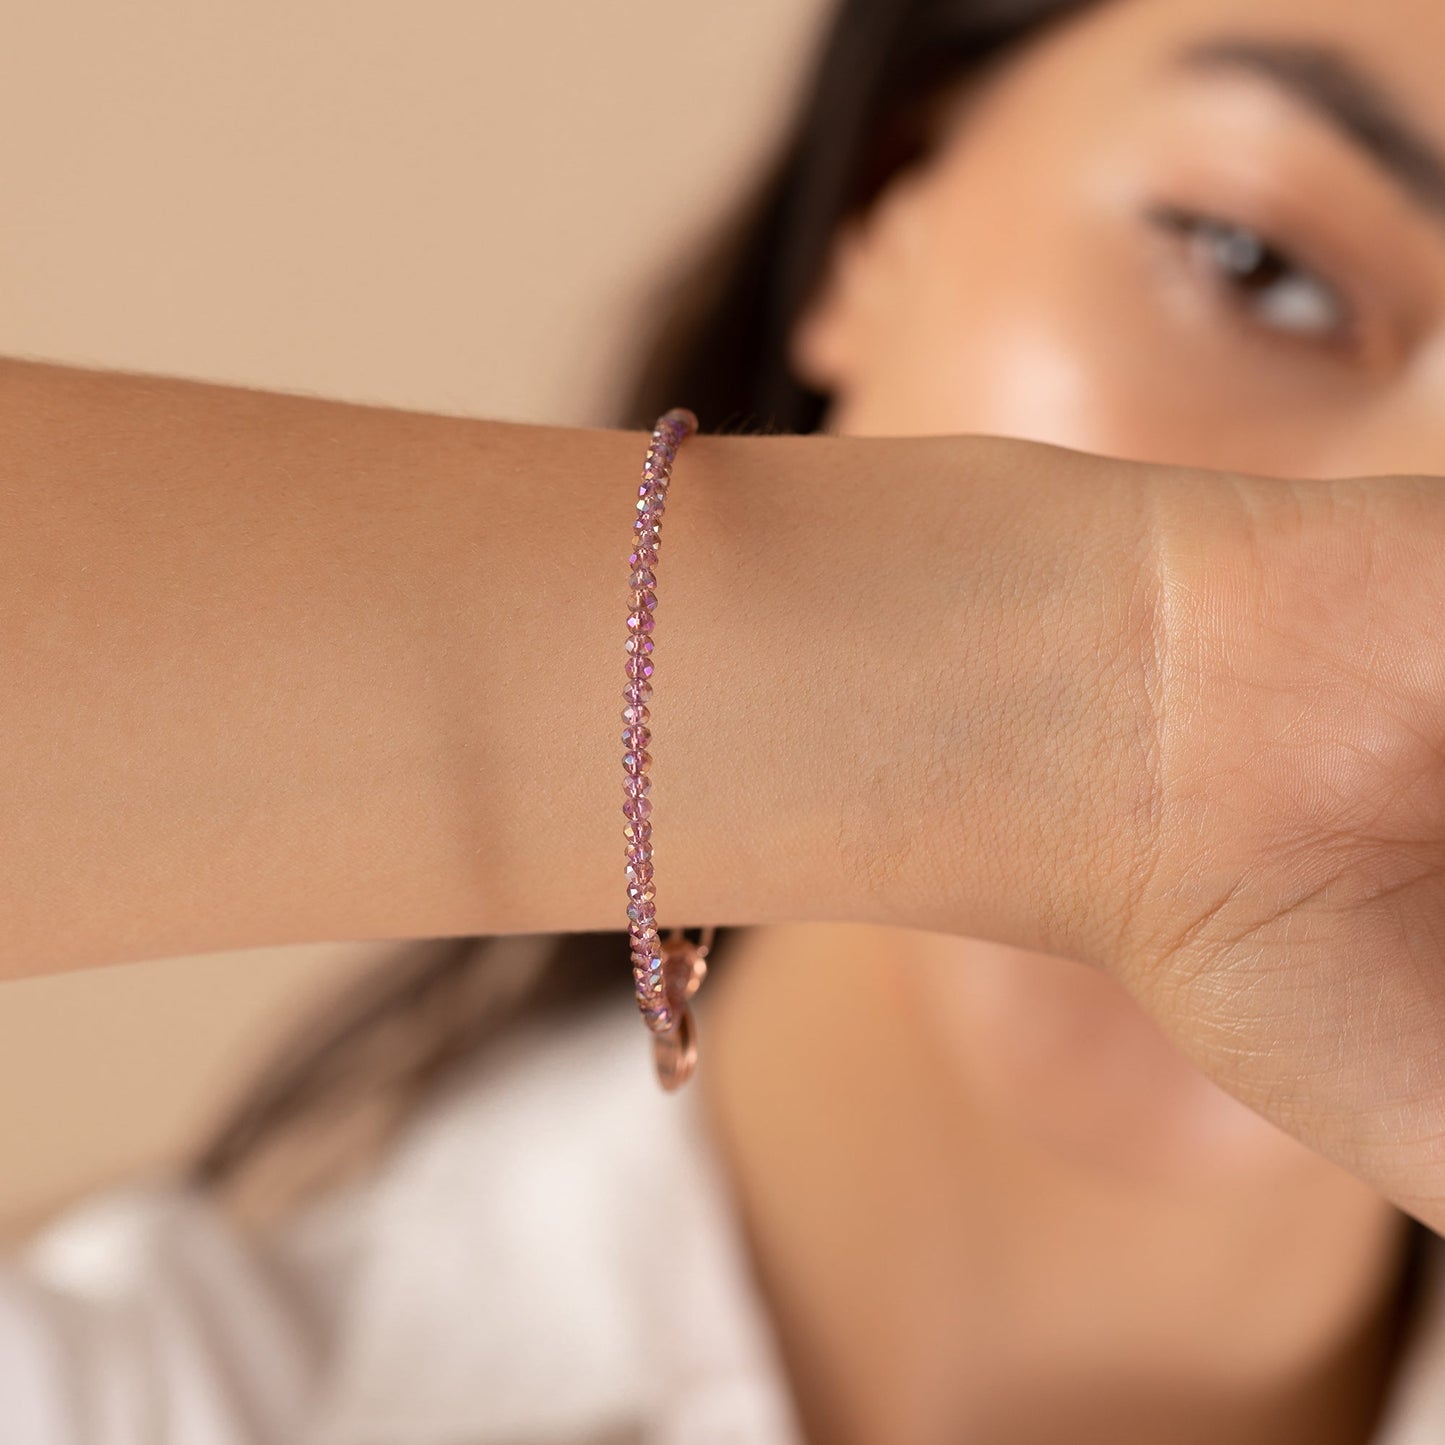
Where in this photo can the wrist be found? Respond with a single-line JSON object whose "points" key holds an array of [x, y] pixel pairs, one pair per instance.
{"points": [[899, 680], [1003, 773]]}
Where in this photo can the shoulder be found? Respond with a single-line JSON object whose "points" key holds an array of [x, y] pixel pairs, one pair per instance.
{"points": [[550, 1204], [555, 1203], [139, 1314]]}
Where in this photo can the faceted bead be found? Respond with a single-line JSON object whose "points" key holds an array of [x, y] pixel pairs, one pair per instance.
{"points": [[644, 599], [639, 872], [642, 621], [639, 831], [641, 910], [642, 578], [639, 669], [642, 555], [636, 737], [634, 762], [638, 644], [634, 785], [635, 713], [636, 808], [637, 691]]}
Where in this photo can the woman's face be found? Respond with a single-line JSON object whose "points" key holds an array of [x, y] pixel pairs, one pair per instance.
{"points": [[1119, 248], [1287, 320]]}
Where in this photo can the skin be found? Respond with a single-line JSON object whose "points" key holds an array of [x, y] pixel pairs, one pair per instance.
{"points": [[1185, 725], [1061, 1227]]}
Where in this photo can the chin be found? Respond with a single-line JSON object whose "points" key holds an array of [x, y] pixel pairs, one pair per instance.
{"points": [[1054, 1059]]}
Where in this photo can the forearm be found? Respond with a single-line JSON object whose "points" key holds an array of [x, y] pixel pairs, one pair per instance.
{"points": [[284, 669]]}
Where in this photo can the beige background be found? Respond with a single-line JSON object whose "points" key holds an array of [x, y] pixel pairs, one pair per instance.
{"points": [[444, 206]]}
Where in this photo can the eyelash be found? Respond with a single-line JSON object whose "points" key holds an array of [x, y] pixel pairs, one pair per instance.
{"points": [[1187, 225]]}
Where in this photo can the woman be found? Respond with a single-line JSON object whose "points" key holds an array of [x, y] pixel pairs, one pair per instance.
{"points": [[981, 1195]]}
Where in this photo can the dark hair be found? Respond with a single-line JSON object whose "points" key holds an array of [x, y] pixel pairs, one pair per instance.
{"points": [[346, 1080]]}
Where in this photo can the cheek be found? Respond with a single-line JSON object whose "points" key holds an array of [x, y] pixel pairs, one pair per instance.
{"points": [[1062, 328], [1007, 339], [1034, 335]]}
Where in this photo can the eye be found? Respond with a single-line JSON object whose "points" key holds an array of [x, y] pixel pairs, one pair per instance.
{"points": [[1260, 277]]}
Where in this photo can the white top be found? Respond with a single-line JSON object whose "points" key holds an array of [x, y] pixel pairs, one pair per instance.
{"points": [[550, 1256]]}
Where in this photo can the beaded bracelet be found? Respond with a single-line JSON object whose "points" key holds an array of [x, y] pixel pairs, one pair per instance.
{"points": [[666, 971]]}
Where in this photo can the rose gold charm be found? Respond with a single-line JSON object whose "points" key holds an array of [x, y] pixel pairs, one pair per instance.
{"points": [[684, 966]]}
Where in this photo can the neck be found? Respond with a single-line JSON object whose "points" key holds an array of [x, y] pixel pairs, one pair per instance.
{"points": [[948, 1251]]}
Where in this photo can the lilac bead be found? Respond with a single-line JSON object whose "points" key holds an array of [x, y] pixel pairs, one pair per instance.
{"points": [[650, 961]]}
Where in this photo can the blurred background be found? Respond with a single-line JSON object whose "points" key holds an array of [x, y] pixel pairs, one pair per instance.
{"points": [[426, 205]]}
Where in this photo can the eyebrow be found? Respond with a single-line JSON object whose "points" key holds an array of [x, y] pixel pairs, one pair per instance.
{"points": [[1335, 86]]}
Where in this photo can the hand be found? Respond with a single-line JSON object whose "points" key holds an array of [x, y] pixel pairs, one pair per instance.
{"points": [[1288, 931]]}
